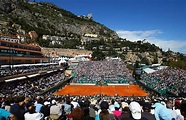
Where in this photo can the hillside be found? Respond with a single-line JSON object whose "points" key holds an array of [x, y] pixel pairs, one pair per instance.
{"points": [[18, 17], [47, 18]]}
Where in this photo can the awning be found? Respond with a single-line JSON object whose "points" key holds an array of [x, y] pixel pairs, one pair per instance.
{"points": [[148, 70], [32, 75], [49, 71], [14, 79]]}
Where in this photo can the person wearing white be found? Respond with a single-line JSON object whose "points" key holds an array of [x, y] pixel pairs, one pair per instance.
{"points": [[55, 110], [32, 114], [75, 103]]}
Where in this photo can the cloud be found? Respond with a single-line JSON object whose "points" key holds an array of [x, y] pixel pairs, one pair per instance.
{"points": [[174, 45], [137, 35], [152, 37]]}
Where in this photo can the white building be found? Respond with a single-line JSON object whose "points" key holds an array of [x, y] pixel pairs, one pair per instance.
{"points": [[10, 39]]}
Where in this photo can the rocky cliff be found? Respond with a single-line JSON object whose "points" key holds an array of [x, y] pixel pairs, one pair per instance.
{"points": [[47, 18]]}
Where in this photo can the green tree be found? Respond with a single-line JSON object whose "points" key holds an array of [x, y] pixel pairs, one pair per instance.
{"points": [[43, 43], [145, 61], [71, 44], [98, 55], [112, 53], [136, 68], [155, 59]]}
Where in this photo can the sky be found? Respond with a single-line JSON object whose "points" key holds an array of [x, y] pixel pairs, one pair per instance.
{"points": [[160, 22]]}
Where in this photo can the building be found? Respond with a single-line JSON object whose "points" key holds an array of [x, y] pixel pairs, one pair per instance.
{"points": [[54, 39], [12, 38], [91, 35], [46, 37], [15, 53], [21, 37], [33, 35]]}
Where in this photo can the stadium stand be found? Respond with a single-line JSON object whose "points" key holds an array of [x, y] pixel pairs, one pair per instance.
{"points": [[108, 71]]}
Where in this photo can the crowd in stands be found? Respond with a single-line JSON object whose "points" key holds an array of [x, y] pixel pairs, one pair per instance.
{"points": [[107, 70], [32, 86], [168, 79], [96, 107], [25, 68], [23, 100]]}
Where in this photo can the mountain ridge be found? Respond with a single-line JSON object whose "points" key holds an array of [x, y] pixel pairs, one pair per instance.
{"points": [[47, 18], [21, 16]]}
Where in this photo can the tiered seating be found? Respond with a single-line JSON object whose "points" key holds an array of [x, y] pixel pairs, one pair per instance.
{"points": [[107, 71], [169, 79]]}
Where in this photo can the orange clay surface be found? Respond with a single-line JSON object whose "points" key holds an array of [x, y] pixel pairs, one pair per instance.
{"points": [[121, 90]]}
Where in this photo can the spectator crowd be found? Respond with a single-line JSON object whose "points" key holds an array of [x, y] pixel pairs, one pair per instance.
{"points": [[32, 86], [168, 79], [106, 70], [23, 100], [95, 107], [11, 70]]}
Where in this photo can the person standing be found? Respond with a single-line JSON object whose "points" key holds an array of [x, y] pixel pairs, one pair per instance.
{"points": [[117, 111], [4, 115], [161, 112], [146, 111], [135, 112], [45, 109], [55, 110], [18, 108], [31, 113], [183, 109]]}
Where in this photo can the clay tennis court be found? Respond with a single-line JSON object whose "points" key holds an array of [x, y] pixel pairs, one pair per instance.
{"points": [[111, 90]]}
